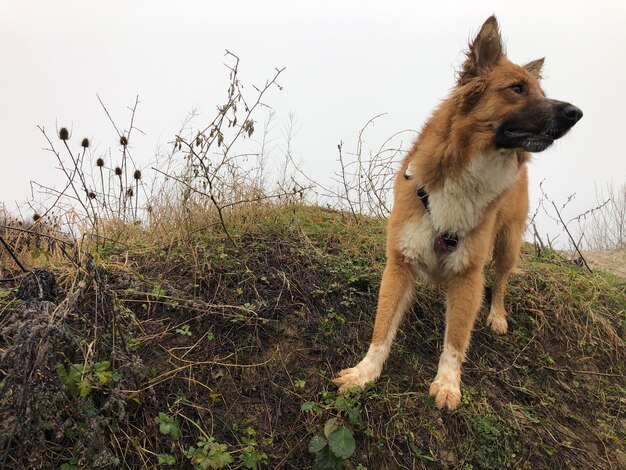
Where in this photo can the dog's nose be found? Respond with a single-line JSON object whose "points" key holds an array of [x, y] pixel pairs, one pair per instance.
{"points": [[572, 113]]}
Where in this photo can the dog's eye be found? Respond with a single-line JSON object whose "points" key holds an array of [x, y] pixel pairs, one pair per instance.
{"points": [[517, 88]]}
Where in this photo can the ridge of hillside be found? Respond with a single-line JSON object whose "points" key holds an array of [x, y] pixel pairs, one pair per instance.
{"points": [[195, 351]]}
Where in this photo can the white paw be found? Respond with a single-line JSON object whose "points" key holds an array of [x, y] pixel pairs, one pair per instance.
{"points": [[497, 322], [446, 393], [356, 376]]}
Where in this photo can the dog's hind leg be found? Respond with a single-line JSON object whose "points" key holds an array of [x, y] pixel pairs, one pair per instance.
{"points": [[396, 292], [464, 299], [506, 253]]}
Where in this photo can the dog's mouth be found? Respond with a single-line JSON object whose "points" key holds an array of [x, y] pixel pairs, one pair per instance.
{"points": [[531, 141], [516, 134]]}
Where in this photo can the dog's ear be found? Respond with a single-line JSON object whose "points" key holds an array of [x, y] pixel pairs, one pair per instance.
{"points": [[535, 67], [484, 52]]}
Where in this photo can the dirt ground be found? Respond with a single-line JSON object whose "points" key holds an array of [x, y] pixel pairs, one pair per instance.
{"points": [[197, 351], [613, 261]]}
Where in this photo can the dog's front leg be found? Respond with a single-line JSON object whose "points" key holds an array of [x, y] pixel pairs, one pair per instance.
{"points": [[464, 299], [396, 292]]}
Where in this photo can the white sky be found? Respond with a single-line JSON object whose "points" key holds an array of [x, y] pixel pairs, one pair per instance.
{"points": [[345, 63]]}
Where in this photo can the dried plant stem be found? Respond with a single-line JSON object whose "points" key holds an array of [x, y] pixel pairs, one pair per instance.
{"points": [[12, 254], [70, 178]]}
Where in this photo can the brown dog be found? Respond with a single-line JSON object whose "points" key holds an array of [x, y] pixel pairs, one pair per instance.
{"points": [[461, 195]]}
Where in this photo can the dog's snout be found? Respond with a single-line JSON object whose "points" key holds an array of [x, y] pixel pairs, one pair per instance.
{"points": [[572, 113]]}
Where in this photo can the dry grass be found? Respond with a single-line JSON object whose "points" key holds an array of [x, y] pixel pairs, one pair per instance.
{"points": [[228, 341]]}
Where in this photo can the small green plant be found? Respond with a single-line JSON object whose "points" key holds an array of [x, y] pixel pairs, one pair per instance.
{"points": [[166, 459], [184, 330], [251, 457], [299, 384], [110, 248], [69, 465], [337, 443], [348, 404], [168, 426], [36, 252], [333, 447], [331, 321], [209, 454], [158, 292], [313, 407], [238, 318], [81, 379]]}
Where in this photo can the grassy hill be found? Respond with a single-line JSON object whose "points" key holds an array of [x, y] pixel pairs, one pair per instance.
{"points": [[177, 347]]}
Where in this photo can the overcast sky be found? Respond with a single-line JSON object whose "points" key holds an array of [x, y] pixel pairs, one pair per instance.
{"points": [[346, 61]]}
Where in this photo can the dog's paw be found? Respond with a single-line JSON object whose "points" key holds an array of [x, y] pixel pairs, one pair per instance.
{"points": [[446, 394], [354, 377], [497, 322]]}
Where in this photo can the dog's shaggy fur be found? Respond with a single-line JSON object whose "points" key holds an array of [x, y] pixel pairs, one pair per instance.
{"points": [[470, 159]]}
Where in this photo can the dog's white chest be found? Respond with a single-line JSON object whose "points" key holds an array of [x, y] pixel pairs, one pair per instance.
{"points": [[460, 204], [416, 242], [457, 208]]}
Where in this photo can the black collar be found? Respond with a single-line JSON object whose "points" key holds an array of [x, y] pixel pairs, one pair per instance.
{"points": [[423, 195]]}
